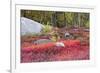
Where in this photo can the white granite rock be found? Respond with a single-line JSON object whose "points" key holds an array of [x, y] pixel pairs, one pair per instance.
{"points": [[29, 26]]}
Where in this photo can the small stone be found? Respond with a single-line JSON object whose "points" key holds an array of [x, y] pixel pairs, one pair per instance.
{"points": [[42, 41]]}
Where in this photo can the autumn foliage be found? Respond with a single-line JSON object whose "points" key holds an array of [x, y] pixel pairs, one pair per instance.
{"points": [[73, 50]]}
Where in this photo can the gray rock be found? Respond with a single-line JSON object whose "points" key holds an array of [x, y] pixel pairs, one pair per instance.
{"points": [[42, 41], [29, 26], [67, 34], [86, 30]]}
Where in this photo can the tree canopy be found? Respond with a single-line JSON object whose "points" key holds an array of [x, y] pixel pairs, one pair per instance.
{"points": [[58, 19]]}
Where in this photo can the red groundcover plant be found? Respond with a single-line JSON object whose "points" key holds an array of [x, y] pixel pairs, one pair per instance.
{"points": [[73, 50], [48, 45]]}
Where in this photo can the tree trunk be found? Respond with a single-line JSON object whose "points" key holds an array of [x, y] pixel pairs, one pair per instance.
{"points": [[79, 19]]}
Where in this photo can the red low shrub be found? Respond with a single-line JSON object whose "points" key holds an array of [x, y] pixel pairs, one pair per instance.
{"points": [[51, 45]]}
